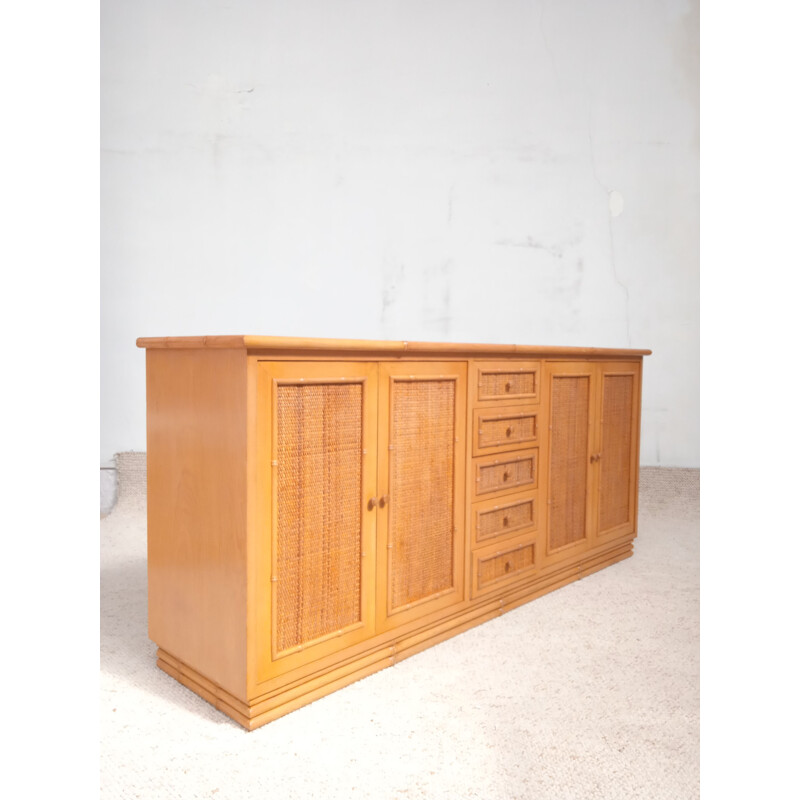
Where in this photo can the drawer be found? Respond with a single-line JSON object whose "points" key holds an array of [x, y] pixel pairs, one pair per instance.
{"points": [[492, 520], [494, 567], [507, 380], [503, 428], [495, 476]]}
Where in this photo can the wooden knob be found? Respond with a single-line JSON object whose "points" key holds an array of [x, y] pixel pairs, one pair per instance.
{"points": [[383, 501], [505, 522], [508, 566], [506, 475], [508, 387], [371, 503], [509, 430]]}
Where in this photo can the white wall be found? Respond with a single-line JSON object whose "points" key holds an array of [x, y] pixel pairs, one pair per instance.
{"points": [[443, 170]]}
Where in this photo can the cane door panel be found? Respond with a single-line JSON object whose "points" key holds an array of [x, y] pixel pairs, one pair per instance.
{"points": [[421, 478], [569, 478], [317, 458], [618, 448]]}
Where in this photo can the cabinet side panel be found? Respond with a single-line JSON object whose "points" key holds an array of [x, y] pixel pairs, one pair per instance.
{"points": [[615, 507], [569, 455], [196, 510]]}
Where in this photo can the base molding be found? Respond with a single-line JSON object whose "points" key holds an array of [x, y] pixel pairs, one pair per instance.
{"points": [[294, 694]]}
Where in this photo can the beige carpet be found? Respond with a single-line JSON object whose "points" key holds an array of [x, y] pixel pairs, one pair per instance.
{"points": [[589, 692]]}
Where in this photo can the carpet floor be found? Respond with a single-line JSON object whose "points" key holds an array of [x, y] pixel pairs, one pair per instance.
{"points": [[591, 691]]}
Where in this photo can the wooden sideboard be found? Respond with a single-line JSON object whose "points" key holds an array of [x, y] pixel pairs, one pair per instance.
{"points": [[320, 509]]}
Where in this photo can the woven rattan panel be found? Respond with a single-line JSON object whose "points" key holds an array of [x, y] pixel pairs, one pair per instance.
{"points": [[421, 488], [615, 474], [506, 519], [569, 457], [498, 384], [504, 564], [319, 499], [506, 474]]}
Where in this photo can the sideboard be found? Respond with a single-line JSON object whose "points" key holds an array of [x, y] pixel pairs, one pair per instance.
{"points": [[319, 509]]}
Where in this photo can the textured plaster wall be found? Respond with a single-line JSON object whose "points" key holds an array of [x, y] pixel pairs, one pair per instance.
{"points": [[489, 170]]}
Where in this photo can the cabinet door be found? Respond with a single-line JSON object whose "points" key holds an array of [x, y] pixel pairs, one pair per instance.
{"points": [[618, 448], [570, 396], [421, 489], [317, 427]]}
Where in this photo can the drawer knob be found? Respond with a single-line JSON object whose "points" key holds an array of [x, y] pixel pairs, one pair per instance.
{"points": [[508, 566], [371, 503], [505, 522], [508, 386], [506, 475], [383, 501], [509, 430]]}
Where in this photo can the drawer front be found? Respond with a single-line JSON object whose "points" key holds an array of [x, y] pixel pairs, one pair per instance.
{"points": [[499, 429], [507, 381], [493, 568], [496, 476], [492, 521]]}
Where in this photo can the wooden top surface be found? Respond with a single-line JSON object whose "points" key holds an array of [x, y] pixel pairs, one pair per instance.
{"points": [[301, 345]]}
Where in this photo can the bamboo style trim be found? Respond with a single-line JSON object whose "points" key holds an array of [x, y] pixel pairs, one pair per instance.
{"points": [[265, 709], [299, 345]]}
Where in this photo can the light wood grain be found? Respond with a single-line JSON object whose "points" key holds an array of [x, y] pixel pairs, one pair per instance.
{"points": [[196, 510], [297, 345], [258, 500]]}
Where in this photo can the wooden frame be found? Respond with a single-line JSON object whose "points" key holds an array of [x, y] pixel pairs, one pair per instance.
{"points": [[390, 617], [483, 369], [619, 370], [486, 527], [212, 511], [514, 480], [501, 552], [559, 371], [596, 445], [498, 429], [270, 376]]}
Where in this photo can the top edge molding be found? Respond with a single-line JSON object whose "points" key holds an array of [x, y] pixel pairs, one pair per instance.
{"points": [[301, 345]]}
